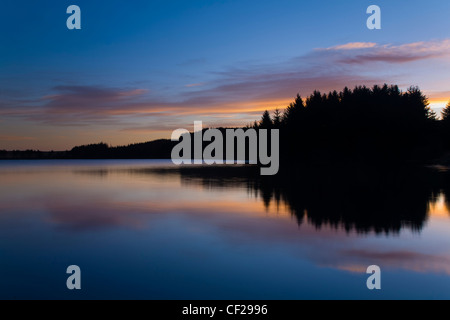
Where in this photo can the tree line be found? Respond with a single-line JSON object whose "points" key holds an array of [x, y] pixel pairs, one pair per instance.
{"points": [[378, 123]]}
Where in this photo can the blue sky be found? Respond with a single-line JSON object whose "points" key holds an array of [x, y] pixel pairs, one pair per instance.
{"points": [[137, 70]]}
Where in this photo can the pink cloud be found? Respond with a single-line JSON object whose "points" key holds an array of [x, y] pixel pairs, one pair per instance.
{"points": [[353, 45], [370, 52]]}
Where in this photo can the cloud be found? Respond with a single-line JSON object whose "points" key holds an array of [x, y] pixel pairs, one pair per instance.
{"points": [[14, 138], [353, 45], [441, 95], [367, 52], [194, 85], [88, 96], [84, 104], [241, 91]]}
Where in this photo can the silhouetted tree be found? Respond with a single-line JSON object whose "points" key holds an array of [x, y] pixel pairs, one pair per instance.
{"points": [[292, 114], [445, 126], [266, 121], [277, 119], [445, 114]]}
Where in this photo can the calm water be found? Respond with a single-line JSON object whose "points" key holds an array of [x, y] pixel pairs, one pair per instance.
{"points": [[146, 230]]}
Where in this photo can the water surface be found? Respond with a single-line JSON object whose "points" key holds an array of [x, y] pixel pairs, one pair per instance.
{"points": [[147, 230]]}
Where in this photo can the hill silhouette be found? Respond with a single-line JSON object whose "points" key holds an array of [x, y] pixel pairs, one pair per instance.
{"points": [[158, 149]]}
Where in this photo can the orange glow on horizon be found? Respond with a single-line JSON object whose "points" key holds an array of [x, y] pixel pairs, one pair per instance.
{"points": [[439, 209]]}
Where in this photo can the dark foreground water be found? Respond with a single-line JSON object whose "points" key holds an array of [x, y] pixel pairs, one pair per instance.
{"points": [[143, 229]]}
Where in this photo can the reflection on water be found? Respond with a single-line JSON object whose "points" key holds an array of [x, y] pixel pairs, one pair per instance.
{"points": [[147, 229], [383, 200]]}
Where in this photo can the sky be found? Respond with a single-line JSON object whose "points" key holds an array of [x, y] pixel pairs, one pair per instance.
{"points": [[138, 70]]}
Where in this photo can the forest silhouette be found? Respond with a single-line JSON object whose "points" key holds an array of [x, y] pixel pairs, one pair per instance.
{"points": [[364, 124]]}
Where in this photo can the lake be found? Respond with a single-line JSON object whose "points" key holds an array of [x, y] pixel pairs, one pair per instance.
{"points": [[149, 230]]}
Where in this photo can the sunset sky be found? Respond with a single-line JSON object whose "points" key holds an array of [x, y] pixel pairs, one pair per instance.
{"points": [[140, 69]]}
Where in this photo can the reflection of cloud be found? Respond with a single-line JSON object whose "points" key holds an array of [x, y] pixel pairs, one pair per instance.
{"points": [[352, 268], [401, 259], [93, 216]]}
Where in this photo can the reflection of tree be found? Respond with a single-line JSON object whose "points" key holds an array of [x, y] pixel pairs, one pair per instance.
{"points": [[446, 194], [363, 201], [356, 199]]}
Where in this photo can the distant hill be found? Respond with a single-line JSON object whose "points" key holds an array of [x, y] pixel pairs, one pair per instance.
{"points": [[158, 149]]}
